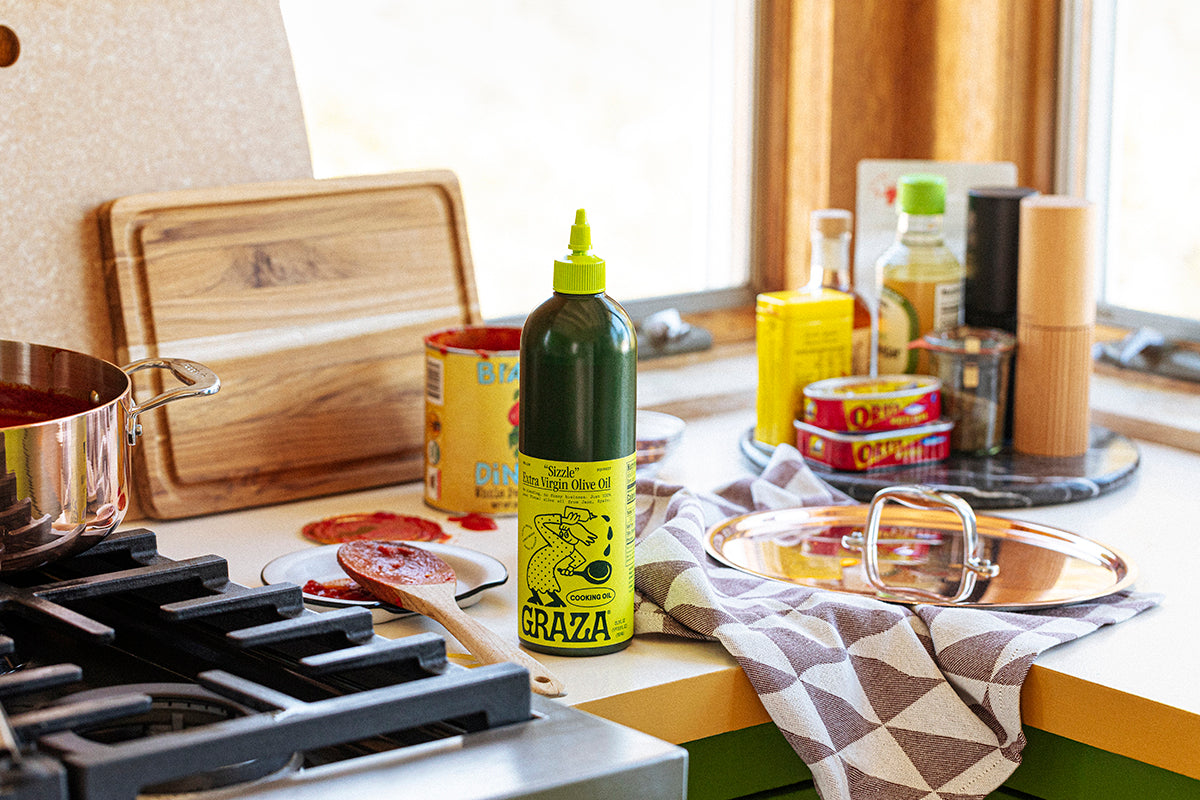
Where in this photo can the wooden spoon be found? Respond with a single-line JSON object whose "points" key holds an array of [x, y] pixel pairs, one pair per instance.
{"points": [[404, 575]]}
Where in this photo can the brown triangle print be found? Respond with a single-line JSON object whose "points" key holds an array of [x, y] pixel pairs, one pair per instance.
{"points": [[801, 650], [842, 722], [975, 656], [810, 750], [927, 642], [700, 618], [871, 786], [734, 584], [940, 759], [654, 579], [855, 623], [1013, 673], [1012, 751], [766, 679], [984, 713], [890, 690], [751, 612]]}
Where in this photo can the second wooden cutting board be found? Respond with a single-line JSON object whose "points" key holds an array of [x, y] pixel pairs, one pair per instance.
{"points": [[311, 300]]}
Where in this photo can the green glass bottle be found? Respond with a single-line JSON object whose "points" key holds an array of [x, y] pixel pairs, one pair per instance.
{"points": [[575, 510]]}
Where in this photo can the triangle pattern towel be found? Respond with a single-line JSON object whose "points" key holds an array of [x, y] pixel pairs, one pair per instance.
{"points": [[881, 701]]}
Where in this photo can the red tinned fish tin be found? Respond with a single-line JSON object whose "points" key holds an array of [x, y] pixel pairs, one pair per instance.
{"points": [[862, 451], [862, 404]]}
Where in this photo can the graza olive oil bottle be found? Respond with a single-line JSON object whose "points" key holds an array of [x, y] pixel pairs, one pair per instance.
{"points": [[575, 509]]}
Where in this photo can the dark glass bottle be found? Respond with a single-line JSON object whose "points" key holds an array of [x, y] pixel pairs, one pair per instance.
{"points": [[577, 463]]}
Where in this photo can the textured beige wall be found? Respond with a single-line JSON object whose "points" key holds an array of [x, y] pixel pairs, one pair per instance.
{"points": [[115, 97]]}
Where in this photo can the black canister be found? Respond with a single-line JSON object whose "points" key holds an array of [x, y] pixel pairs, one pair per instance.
{"points": [[993, 225], [993, 240]]}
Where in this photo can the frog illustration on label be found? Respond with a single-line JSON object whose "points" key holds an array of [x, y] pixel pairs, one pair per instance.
{"points": [[562, 535]]}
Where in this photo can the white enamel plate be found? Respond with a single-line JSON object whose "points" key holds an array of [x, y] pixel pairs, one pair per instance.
{"points": [[474, 571]]}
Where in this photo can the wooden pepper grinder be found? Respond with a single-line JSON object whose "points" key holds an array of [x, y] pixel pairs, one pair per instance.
{"points": [[1056, 315]]}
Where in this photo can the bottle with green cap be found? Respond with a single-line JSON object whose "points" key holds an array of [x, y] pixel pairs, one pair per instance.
{"points": [[923, 283], [575, 509]]}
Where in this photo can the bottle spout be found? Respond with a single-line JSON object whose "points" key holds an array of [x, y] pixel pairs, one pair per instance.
{"points": [[579, 271], [581, 233]]}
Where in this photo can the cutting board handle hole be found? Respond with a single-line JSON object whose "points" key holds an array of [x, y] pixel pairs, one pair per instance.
{"points": [[10, 46]]}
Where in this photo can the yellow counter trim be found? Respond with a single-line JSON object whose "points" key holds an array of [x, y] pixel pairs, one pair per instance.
{"points": [[686, 710], [1105, 718], [723, 700]]}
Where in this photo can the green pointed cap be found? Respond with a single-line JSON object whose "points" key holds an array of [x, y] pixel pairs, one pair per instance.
{"points": [[579, 272], [921, 194]]}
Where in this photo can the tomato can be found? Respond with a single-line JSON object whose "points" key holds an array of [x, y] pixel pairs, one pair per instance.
{"points": [[863, 451], [472, 390], [866, 404]]}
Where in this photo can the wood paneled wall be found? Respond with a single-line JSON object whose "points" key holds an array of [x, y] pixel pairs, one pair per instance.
{"points": [[844, 80]]}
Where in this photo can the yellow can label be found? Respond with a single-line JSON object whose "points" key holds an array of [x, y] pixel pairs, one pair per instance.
{"points": [[472, 383], [575, 554]]}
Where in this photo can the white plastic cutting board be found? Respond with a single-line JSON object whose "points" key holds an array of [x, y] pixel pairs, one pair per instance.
{"points": [[109, 98]]}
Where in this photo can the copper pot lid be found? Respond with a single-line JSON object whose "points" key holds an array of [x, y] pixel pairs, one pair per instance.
{"points": [[908, 546]]}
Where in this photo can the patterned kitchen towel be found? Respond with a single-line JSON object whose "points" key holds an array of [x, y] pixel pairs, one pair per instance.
{"points": [[881, 701]]}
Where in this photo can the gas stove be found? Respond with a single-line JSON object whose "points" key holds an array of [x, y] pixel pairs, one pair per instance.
{"points": [[127, 674]]}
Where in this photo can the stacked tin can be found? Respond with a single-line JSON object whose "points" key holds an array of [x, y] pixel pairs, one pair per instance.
{"points": [[863, 423]]}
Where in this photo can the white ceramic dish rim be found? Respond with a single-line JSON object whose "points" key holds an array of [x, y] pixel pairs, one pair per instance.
{"points": [[320, 563]]}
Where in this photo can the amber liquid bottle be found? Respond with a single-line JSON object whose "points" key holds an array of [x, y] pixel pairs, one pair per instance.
{"points": [[830, 232], [575, 510], [923, 282]]}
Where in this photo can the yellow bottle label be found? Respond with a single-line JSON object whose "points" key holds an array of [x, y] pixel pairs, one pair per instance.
{"points": [[938, 303], [898, 325], [575, 553]]}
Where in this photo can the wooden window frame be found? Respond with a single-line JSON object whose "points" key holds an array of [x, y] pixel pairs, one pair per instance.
{"points": [[844, 80]]}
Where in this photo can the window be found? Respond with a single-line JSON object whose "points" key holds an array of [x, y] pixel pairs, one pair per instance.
{"points": [[1132, 72], [639, 111]]}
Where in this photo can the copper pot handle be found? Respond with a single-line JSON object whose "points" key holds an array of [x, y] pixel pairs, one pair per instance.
{"points": [[921, 497], [197, 380]]}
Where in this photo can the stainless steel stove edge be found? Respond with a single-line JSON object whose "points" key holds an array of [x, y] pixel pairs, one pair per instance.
{"points": [[561, 754]]}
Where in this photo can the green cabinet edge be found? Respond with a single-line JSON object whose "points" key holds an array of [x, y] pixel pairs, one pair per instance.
{"points": [[1057, 768], [759, 761]]}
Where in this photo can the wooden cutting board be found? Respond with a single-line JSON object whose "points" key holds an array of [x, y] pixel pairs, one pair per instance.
{"points": [[310, 299]]}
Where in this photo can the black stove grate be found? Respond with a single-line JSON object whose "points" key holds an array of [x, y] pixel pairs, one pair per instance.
{"points": [[102, 648]]}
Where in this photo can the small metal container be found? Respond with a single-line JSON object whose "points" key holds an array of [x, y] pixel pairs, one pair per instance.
{"points": [[862, 451], [866, 404], [472, 381]]}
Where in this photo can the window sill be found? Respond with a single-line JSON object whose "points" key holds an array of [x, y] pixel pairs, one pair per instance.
{"points": [[1145, 407], [721, 379]]}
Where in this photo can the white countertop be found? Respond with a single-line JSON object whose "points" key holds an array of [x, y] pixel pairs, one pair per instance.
{"points": [[1130, 688]]}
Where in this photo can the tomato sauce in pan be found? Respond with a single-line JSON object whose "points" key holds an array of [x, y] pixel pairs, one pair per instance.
{"points": [[24, 405]]}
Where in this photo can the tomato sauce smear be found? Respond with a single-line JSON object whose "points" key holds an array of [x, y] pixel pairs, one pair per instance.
{"points": [[376, 526], [343, 589], [476, 522], [392, 562]]}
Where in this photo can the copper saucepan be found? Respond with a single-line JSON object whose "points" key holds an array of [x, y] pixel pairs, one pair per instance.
{"points": [[65, 474]]}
